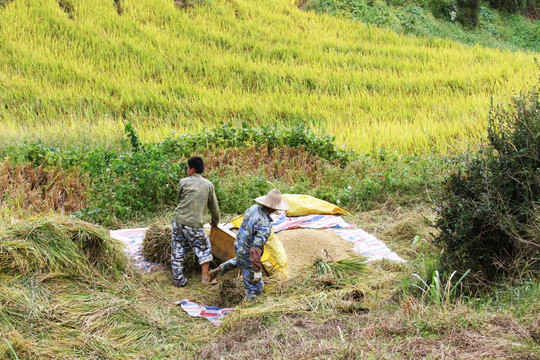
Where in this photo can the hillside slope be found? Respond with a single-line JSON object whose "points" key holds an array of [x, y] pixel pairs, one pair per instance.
{"points": [[75, 73], [441, 19]]}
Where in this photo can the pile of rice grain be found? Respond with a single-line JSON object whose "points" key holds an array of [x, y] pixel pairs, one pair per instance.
{"points": [[304, 246]]}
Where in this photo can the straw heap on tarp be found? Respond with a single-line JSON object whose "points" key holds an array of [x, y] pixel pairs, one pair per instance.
{"points": [[157, 244], [133, 240]]}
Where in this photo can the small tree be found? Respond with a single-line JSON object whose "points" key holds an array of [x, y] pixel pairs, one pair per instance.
{"points": [[489, 215], [468, 12]]}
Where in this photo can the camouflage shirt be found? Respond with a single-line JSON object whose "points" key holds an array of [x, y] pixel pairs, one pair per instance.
{"points": [[195, 196], [254, 231]]}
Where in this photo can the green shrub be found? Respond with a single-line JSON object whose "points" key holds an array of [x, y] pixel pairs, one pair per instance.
{"points": [[124, 185], [373, 12], [375, 176], [140, 179], [38, 154], [143, 179], [489, 213], [235, 194], [444, 9]]}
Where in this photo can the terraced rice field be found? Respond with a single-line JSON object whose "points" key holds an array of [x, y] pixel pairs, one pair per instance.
{"points": [[74, 71]]}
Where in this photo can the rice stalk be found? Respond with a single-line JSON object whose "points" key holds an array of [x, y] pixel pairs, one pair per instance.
{"points": [[340, 269]]}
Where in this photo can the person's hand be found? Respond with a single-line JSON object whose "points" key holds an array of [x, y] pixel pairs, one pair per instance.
{"points": [[255, 258], [257, 277]]}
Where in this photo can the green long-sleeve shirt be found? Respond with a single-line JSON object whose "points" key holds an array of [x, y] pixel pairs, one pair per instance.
{"points": [[196, 195]]}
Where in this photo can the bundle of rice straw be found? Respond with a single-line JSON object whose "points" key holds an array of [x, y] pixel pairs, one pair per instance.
{"points": [[157, 244], [157, 247]]}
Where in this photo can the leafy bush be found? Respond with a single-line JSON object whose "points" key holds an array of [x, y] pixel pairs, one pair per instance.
{"points": [[373, 12], [126, 184], [143, 179], [235, 194], [443, 9], [140, 179], [375, 176], [489, 213], [38, 154]]}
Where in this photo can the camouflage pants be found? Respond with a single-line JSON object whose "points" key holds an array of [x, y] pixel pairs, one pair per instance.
{"points": [[242, 262], [185, 238]]}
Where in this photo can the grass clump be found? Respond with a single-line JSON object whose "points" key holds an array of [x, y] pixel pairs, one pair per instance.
{"points": [[340, 268]]}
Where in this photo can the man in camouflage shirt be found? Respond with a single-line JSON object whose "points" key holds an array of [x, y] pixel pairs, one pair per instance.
{"points": [[250, 240], [196, 196]]}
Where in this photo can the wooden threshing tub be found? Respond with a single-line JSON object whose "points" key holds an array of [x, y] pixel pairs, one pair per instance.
{"points": [[222, 240]]}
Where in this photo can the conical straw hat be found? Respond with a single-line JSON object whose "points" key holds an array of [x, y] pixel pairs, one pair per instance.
{"points": [[273, 200]]}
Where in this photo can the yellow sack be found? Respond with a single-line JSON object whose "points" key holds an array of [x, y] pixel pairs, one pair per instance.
{"points": [[301, 205], [274, 256]]}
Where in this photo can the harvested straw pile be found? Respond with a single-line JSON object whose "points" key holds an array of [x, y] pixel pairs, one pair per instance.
{"points": [[157, 247], [60, 245], [157, 244], [305, 246]]}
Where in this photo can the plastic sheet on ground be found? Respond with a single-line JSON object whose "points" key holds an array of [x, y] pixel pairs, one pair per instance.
{"points": [[133, 239], [363, 243], [274, 256], [214, 314]]}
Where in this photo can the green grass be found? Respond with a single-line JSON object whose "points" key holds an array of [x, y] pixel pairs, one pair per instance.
{"points": [[77, 77], [416, 17]]}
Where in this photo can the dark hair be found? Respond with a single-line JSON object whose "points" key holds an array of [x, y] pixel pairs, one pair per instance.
{"points": [[196, 163]]}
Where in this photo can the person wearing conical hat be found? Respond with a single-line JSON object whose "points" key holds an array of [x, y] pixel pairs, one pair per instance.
{"points": [[250, 240]]}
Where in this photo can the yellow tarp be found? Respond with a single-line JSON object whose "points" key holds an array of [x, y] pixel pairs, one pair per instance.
{"points": [[274, 256], [301, 205]]}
